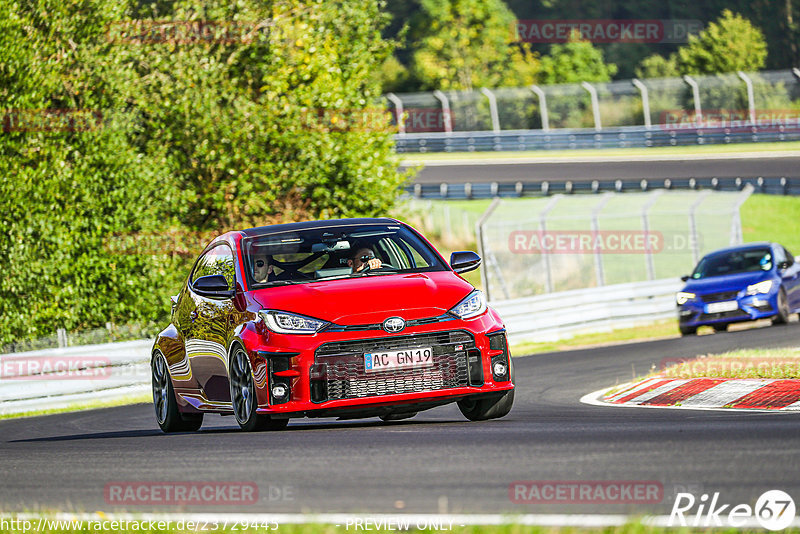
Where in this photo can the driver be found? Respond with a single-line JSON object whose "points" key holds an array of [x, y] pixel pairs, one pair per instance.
{"points": [[363, 257], [262, 269]]}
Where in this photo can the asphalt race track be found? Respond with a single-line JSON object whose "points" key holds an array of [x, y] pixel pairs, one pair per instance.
{"points": [[609, 169], [435, 462]]}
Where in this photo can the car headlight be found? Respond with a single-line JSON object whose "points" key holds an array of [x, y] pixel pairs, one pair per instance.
{"points": [[473, 305], [761, 287], [682, 296], [291, 323]]}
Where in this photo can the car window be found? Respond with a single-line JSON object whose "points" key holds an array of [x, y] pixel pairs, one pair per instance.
{"points": [[789, 256], [734, 262], [328, 253], [218, 260], [780, 255]]}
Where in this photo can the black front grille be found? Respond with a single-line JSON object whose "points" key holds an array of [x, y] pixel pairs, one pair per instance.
{"points": [[735, 314], [344, 376], [719, 297]]}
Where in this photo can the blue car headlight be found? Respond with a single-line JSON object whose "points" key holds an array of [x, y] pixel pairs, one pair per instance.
{"points": [[473, 305], [761, 287], [291, 323], [681, 297]]}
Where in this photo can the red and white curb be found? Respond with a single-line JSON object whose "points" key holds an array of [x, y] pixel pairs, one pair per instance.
{"points": [[704, 393]]}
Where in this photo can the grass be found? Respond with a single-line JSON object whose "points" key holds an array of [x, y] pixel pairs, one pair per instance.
{"points": [[82, 406], [745, 363], [581, 153], [656, 330], [772, 218]]}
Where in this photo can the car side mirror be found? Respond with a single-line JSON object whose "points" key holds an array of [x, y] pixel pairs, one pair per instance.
{"points": [[784, 265], [685, 277], [214, 286], [464, 261]]}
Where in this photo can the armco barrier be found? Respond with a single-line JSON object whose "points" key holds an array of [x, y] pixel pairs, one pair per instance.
{"points": [[57, 378], [122, 369], [558, 315], [564, 139]]}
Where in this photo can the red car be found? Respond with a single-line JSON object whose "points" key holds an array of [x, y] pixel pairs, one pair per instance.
{"points": [[343, 318]]}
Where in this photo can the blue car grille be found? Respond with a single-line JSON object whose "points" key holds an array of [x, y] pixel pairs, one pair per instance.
{"points": [[718, 297]]}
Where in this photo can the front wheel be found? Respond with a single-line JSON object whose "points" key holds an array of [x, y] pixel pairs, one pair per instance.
{"points": [[243, 397], [488, 407], [169, 418], [688, 330], [783, 309]]}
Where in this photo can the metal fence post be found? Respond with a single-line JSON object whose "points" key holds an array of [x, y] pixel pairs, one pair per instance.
{"points": [[62, 337], [542, 106], [479, 235], [398, 109], [649, 262], [693, 224], [751, 103], [546, 255], [698, 110], [492, 109], [595, 104], [446, 119], [736, 220], [598, 256], [645, 101]]}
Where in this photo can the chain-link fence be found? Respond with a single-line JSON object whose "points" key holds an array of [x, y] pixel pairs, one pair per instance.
{"points": [[566, 242], [765, 99]]}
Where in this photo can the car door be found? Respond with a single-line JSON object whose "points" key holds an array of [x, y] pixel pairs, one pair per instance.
{"points": [[211, 321], [790, 277]]}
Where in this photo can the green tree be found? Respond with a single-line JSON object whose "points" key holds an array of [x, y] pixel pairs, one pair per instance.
{"points": [[575, 61], [152, 139], [730, 44], [657, 66], [464, 44]]}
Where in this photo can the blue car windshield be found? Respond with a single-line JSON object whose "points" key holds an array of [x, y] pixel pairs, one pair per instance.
{"points": [[734, 262]]}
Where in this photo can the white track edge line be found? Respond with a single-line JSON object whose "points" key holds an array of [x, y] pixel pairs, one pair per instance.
{"points": [[593, 399]]}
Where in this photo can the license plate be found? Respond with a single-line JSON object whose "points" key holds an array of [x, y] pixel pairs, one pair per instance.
{"points": [[398, 359], [719, 307]]}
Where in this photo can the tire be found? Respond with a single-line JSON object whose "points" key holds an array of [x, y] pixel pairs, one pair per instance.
{"points": [[243, 397], [687, 330], [168, 416], [782, 316], [720, 327], [493, 407]]}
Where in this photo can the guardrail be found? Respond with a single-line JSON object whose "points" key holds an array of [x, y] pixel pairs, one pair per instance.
{"points": [[557, 315], [63, 377], [769, 185], [565, 139]]}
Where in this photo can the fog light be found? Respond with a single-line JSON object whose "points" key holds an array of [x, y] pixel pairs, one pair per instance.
{"points": [[279, 391], [499, 369]]}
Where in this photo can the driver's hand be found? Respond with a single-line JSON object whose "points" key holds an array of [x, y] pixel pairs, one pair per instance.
{"points": [[374, 263]]}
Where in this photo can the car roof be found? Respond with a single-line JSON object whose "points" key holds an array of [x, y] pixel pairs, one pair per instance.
{"points": [[328, 223], [745, 246]]}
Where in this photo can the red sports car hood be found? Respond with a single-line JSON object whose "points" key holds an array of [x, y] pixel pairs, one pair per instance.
{"points": [[369, 299]]}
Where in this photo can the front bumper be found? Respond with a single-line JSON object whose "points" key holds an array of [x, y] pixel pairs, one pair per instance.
{"points": [[324, 374], [695, 312]]}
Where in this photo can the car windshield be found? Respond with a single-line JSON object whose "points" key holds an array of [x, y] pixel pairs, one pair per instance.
{"points": [[332, 253], [733, 262]]}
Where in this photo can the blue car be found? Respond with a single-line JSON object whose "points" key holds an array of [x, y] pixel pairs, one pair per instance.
{"points": [[740, 283]]}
